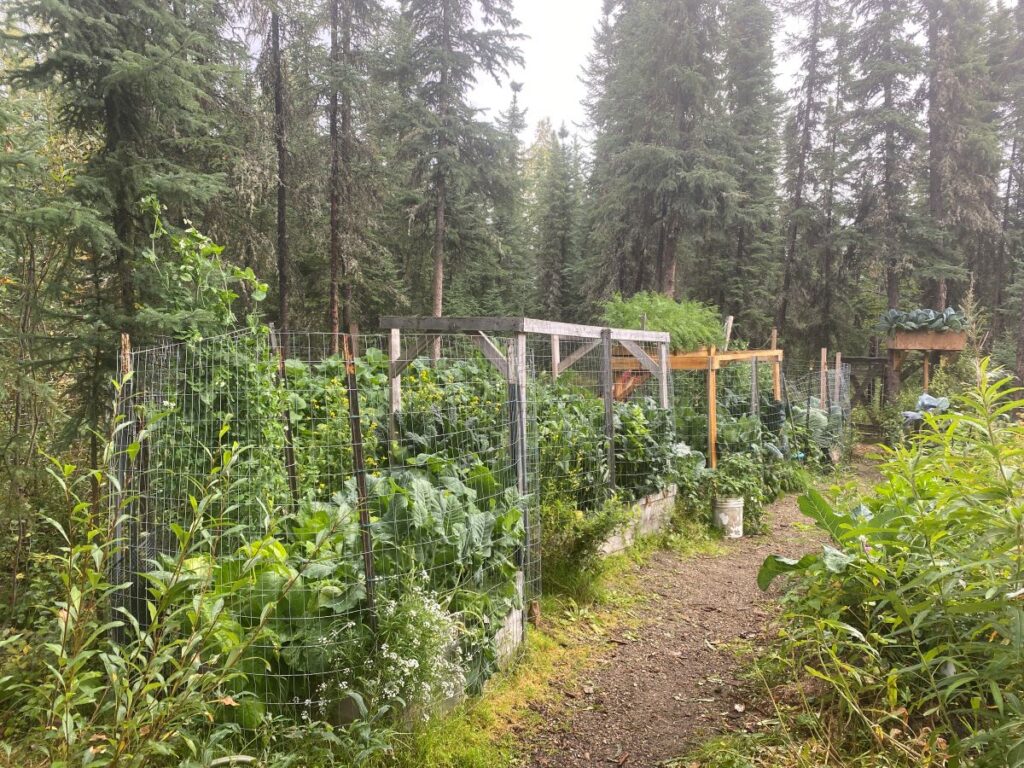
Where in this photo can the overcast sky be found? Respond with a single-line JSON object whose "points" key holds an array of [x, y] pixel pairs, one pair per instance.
{"points": [[559, 38], [559, 33]]}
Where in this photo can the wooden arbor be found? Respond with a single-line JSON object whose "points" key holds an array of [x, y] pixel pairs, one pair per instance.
{"points": [[928, 342], [712, 360], [511, 362]]}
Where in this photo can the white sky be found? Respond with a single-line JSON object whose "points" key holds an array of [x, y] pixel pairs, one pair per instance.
{"points": [[559, 37]]}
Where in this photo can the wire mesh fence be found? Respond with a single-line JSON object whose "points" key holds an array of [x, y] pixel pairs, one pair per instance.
{"points": [[604, 419], [360, 509], [353, 496], [356, 496], [819, 406]]}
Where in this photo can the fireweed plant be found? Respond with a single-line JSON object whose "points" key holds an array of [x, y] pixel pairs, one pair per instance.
{"points": [[913, 614]]}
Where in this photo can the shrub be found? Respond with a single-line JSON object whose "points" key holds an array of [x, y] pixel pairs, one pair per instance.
{"points": [[689, 323], [912, 614], [571, 539]]}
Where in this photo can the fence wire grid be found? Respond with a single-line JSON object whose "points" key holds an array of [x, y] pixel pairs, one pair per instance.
{"points": [[417, 528]]}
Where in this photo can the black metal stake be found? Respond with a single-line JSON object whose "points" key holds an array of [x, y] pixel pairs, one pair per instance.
{"points": [[359, 468]]}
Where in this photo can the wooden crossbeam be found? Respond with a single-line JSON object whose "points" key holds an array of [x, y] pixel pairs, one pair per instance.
{"points": [[403, 362], [645, 360], [491, 352], [577, 354]]}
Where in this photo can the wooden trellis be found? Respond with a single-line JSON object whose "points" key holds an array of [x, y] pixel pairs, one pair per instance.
{"points": [[712, 360]]}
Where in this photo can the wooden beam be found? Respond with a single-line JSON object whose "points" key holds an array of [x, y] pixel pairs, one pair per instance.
{"points": [[663, 376], [837, 383], [728, 332], [395, 380], [399, 365], [641, 356], [776, 368], [465, 324], [823, 378], [492, 353], [609, 408], [576, 355]]}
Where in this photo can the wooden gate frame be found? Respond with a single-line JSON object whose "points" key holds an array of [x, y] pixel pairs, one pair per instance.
{"points": [[511, 363]]}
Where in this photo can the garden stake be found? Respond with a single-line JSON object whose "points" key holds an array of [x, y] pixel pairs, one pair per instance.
{"points": [[359, 468], [277, 345]]}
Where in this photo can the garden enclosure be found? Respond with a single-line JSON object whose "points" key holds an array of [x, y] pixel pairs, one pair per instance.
{"points": [[347, 500]]}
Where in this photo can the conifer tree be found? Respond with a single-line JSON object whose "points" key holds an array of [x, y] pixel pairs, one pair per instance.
{"points": [[888, 62], [447, 44], [554, 225], [745, 268]]}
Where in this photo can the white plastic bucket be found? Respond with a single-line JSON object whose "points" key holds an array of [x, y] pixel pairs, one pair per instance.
{"points": [[729, 517]]}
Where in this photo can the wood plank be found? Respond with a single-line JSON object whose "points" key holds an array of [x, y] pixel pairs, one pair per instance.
{"points": [[556, 355], [823, 378], [938, 341], [638, 352], [576, 355], [395, 379], [466, 324], [492, 353], [663, 376], [728, 333], [461, 324], [399, 365], [628, 383], [609, 409], [776, 368], [837, 383]]}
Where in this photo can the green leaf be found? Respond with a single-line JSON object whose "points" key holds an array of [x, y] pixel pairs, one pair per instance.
{"points": [[776, 565]]}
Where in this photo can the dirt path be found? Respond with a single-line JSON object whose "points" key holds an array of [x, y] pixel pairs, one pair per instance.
{"points": [[673, 679]]}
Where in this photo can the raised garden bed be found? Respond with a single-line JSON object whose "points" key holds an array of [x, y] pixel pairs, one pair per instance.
{"points": [[941, 341], [651, 515]]}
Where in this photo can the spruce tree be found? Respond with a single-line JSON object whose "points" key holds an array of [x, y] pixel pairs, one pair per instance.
{"points": [[444, 46], [888, 62], [664, 172], [746, 267], [554, 226]]}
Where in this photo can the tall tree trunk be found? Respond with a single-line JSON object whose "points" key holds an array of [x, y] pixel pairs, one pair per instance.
{"points": [[1001, 267], [340, 295], [668, 287], [347, 141], [803, 157], [282, 177], [439, 225], [441, 190], [935, 146], [335, 221]]}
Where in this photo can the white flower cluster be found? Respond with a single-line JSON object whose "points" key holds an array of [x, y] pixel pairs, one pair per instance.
{"points": [[417, 663]]}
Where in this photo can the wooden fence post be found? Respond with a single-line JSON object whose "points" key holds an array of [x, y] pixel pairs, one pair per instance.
{"points": [[665, 373], [395, 381], [837, 388], [359, 470], [776, 368], [712, 408], [609, 410], [556, 356], [823, 378]]}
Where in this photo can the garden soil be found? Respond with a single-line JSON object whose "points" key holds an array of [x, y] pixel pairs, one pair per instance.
{"points": [[675, 676]]}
